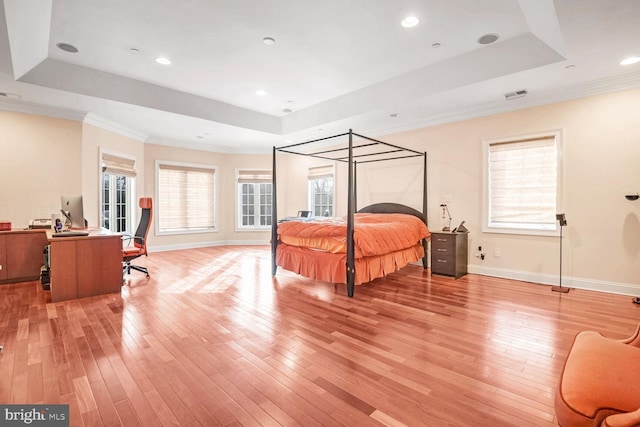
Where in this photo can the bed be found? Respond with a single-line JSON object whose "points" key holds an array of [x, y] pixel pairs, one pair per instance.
{"points": [[363, 245]]}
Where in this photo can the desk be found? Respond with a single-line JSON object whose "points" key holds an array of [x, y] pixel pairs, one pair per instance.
{"points": [[85, 266], [21, 255]]}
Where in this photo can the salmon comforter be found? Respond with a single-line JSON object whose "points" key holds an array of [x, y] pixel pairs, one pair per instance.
{"points": [[384, 243], [374, 234]]}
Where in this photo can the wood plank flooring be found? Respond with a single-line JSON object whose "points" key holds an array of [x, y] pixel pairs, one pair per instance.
{"points": [[212, 339]]}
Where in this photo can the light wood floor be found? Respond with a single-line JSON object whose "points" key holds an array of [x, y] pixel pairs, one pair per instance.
{"points": [[212, 339]]}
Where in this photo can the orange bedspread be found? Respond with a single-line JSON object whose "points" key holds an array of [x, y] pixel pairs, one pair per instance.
{"points": [[374, 234]]}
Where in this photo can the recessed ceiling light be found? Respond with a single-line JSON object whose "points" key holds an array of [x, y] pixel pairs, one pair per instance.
{"points": [[135, 51], [409, 21], [570, 66], [488, 38], [436, 45], [269, 41], [67, 47], [287, 110], [261, 92], [393, 115], [162, 60], [630, 60]]}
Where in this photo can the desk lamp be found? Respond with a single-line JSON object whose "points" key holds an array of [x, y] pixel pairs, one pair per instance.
{"points": [[445, 209]]}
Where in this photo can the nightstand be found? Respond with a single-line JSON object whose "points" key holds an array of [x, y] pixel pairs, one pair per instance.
{"points": [[449, 253]]}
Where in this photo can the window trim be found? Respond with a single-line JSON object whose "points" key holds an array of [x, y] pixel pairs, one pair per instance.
{"points": [[156, 207], [133, 211], [239, 227], [486, 228]]}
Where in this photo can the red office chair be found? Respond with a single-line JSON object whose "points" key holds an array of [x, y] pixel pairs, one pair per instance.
{"points": [[139, 248]]}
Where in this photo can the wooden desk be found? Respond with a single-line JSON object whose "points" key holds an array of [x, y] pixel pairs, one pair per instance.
{"points": [[85, 266], [21, 255]]}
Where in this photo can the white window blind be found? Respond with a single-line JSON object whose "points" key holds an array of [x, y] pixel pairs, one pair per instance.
{"points": [[254, 176], [119, 166], [186, 197], [319, 172], [523, 183]]}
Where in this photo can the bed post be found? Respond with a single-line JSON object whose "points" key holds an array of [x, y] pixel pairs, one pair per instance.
{"points": [[351, 272], [424, 209], [355, 186], [274, 216]]}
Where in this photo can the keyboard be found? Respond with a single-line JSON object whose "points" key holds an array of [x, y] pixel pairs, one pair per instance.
{"points": [[70, 234]]}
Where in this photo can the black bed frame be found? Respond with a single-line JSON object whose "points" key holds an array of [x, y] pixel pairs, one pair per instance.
{"points": [[371, 151]]}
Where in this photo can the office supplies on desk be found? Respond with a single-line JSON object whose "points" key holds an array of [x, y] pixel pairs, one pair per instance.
{"points": [[40, 223]]}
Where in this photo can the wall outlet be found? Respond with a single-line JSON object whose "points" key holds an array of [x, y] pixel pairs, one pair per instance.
{"points": [[497, 252]]}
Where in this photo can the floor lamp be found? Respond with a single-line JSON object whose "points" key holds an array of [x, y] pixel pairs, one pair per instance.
{"points": [[562, 221]]}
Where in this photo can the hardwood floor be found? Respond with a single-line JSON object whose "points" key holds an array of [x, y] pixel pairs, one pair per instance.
{"points": [[212, 339]]}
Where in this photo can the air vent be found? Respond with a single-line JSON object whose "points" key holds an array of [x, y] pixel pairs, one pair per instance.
{"points": [[516, 94], [9, 95]]}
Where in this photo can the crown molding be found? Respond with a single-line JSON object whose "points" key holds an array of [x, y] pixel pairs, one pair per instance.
{"points": [[19, 106], [118, 128]]}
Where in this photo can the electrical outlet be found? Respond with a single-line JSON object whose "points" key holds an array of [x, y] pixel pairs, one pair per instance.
{"points": [[479, 248], [497, 252]]}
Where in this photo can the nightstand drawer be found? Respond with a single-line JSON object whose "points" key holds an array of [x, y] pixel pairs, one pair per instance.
{"points": [[443, 264]]}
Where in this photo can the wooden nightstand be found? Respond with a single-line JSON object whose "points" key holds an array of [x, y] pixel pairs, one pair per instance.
{"points": [[449, 253]]}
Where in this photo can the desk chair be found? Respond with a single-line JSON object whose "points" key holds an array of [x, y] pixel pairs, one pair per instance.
{"points": [[139, 248]]}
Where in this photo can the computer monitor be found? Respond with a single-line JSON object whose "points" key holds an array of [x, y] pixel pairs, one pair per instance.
{"points": [[72, 210]]}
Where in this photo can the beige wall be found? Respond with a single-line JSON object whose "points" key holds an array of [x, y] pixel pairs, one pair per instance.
{"points": [[226, 164], [45, 157], [601, 136], [40, 159]]}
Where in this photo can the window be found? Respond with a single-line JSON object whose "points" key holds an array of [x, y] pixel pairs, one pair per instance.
{"points": [[186, 197], [522, 188], [117, 193], [254, 199], [321, 190]]}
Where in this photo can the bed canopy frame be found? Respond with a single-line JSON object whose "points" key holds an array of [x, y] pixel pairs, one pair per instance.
{"points": [[372, 150]]}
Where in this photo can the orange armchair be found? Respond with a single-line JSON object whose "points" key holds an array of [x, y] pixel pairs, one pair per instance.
{"points": [[600, 382], [139, 240]]}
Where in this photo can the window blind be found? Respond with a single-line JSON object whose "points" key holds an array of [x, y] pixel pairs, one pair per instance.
{"points": [[186, 197], [254, 176], [319, 172], [523, 183], [116, 165]]}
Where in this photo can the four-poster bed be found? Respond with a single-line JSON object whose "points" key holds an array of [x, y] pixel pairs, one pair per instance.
{"points": [[369, 243]]}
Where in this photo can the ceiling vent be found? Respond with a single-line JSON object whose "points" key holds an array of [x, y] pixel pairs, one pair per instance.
{"points": [[516, 94], [9, 95]]}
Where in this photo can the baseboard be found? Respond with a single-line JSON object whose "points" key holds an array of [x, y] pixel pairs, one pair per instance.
{"points": [[548, 279]]}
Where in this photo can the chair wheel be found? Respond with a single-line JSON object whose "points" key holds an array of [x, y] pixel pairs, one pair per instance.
{"points": [[148, 277]]}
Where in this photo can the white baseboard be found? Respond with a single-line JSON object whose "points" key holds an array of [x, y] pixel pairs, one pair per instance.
{"points": [[548, 279]]}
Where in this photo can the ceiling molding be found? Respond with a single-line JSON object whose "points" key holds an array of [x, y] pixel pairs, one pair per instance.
{"points": [[111, 126]]}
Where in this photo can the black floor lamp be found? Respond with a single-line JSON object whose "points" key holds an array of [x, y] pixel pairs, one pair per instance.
{"points": [[562, 221]]}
